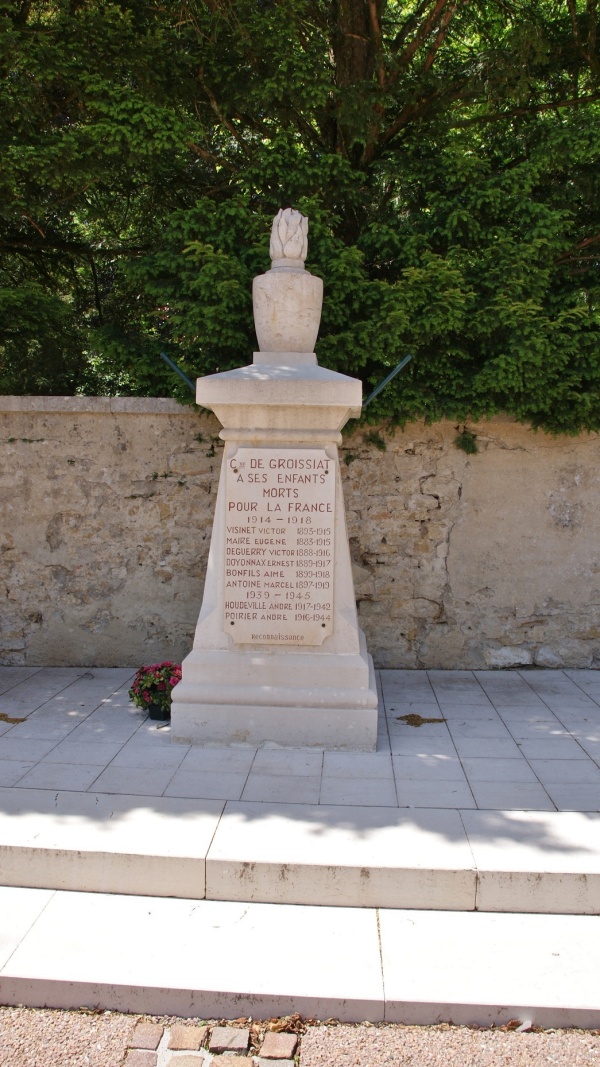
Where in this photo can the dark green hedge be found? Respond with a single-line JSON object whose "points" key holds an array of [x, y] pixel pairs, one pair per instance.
{"points": [[446, 154]]}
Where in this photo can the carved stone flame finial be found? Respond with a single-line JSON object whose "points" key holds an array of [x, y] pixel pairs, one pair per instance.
{"points": [[287, 299], [289, 239]]}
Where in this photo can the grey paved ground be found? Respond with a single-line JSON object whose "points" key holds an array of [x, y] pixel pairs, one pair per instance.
{"points": [[526, 740]]}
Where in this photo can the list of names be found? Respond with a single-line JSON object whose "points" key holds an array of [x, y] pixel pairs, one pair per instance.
{"points": [[279, 552]]}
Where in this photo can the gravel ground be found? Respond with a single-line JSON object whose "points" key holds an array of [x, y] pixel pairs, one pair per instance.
{"points": [[446, 1046], [44, 1038]]}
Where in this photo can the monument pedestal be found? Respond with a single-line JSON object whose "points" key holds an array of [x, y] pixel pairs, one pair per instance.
{"points": [[278, 655]]}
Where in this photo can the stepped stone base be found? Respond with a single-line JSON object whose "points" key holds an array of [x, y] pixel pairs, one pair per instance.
{"points": [[312, 700], [216, 959]]}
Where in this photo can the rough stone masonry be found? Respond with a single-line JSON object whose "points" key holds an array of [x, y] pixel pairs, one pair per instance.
{"points": [[483, 560]]}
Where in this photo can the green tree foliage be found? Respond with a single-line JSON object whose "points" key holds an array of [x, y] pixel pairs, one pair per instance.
{"points": [[446, 151]]}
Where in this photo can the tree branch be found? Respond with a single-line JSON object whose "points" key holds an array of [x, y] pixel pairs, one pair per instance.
{"points": [[97, 300], [377, 40], [573, 252], [587, 50], [34, 224], [441, 35], [409, 25], [531, 109], [21, 16], [592, 9], [221, 117], [219, 161], [303, 125], [421, 35], [574, 23], [411, 112]]}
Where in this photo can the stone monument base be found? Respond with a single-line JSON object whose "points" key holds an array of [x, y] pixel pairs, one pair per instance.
{"points": [[299, 727], [311, 700]]}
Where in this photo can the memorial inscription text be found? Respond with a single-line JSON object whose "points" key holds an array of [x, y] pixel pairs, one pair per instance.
{"points": [[280, 512]]}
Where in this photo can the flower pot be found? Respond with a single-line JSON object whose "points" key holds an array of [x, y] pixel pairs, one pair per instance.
{"points": [[155, 711]]}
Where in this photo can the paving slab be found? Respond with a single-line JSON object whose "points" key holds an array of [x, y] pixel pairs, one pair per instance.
{"points": [[536, 862], [13, 770], [218, 959], [206, 784], [72, 776], [439, 794], [511, 796], [299, 789], [146, 1035], [211, 959], [428, 768], [574, 797], [140, 1058], [121, 844], [486, 969], [20, 909], [183, 1037], [347, 856], [229, 1039], [278, 1046], [366, 792], [262, 1061], [12, 676]]}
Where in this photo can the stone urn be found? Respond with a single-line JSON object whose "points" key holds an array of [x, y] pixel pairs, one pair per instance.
{"points": [[287, 299]]}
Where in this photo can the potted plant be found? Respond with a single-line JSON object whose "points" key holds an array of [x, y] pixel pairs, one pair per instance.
{"points": [[153, 686]]}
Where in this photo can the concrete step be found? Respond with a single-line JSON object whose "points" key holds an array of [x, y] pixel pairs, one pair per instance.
{"points": [[226, 959], [349, 857]]}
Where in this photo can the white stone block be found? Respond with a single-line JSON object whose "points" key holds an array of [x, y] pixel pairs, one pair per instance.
{"points": [[487, 969], [20, 908], [197, 958], [536, 861], [295, 725], [344, 855], [104, 843]]}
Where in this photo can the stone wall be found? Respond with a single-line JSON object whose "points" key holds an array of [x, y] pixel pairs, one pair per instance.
{"points": [[484, 560], [107, 511]]}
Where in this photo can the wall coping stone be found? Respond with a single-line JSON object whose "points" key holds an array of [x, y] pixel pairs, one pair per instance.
{"points": [[96, 405], [153, 405]]}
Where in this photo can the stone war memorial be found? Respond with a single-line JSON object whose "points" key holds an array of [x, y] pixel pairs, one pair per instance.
{"points": [[278, 654]]}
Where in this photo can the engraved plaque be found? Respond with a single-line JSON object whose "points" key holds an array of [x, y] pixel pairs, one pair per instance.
{"points": [[280, 507]]}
